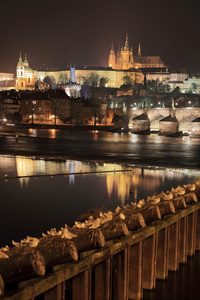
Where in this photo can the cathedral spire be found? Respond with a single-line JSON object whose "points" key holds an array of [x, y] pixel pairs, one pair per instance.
{"points": [[111, 60], [126, 43], [139, 51], [112, 48]]}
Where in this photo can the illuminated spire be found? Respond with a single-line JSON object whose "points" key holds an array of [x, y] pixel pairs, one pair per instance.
{"points": [[20, 62], [112, 48], [139, 51], [26, 62], [126, 43], [20, 57]]}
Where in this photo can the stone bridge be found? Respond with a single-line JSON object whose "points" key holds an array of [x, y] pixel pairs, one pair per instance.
{"points": [[184, 117]]}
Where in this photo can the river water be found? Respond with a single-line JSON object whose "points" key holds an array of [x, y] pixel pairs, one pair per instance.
{"points": [[31, 205], [150, 150]]}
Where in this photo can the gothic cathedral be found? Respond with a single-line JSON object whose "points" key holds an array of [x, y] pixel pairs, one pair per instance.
{"points": [[125, 59]]}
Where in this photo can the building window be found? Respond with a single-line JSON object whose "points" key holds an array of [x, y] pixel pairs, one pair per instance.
{"points": [[29, 80], [34, 102]]}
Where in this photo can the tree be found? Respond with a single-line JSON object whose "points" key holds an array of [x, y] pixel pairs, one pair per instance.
{"points": [[127, 80], [63, 79], [49, 80], [93, 79], [103, 81], [85, 80], [97, 110], [60, 108]]}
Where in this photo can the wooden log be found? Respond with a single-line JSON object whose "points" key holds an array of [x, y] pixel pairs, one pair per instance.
{"points": [[134, 221], [57, 251], [149, 262], [179, 203], [88, 239], [22, 265], [190, 198], [183, 232], [150, 213], [162, 254], [173, 262], [166, 207], [102, 280], [191, 237], [135, 272], [120, 275], [112, 230], [81, 286]]}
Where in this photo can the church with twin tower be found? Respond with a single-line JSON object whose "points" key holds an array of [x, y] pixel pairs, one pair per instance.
{"points": [[125, 59]]}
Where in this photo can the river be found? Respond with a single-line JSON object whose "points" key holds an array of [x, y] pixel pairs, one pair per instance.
{"points": [[149, 150]]}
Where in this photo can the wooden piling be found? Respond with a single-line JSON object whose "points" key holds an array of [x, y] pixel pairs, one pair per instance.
{"points": [[183, 233], [197, 246], [58, 293], [135, 272], [162, 254], [102, 289], [149, 262], [173, 262], [191, 237], [81, 286], [120, 275]]}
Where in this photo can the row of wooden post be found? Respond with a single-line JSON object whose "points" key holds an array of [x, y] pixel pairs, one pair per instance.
{"points": [[124, 275]]}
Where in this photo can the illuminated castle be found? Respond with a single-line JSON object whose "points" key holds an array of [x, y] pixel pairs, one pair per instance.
{"points": [[25, 75], [125, 59]]}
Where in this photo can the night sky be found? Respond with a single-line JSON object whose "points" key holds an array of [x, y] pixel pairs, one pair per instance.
{"points": [[55, 34]]}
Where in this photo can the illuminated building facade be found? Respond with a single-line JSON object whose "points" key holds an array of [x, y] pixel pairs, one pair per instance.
{"points": [[115, 77], [25, 75]]}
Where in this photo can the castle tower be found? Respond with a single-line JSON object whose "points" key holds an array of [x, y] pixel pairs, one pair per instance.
{"points": [[112, 61]]}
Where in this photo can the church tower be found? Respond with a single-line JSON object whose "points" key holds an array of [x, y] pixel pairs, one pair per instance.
{"points": [[112, 61], [20, 67]]}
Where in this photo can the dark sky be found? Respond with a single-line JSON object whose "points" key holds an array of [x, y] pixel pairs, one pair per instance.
{"points": [[80, 32]]}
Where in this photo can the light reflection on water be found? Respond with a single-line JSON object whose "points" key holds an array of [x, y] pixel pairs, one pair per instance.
{"points": [[30, 206]]}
